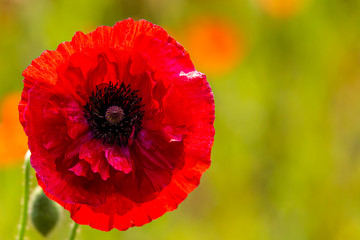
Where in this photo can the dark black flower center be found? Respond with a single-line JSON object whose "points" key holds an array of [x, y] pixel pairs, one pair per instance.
{"points": [[114, 113]]}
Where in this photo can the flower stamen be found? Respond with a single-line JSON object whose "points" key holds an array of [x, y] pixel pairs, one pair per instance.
{"points": [[114, 113]]}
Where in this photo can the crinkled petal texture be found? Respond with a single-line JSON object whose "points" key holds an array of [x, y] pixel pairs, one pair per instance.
{"points": [[118, 186]]}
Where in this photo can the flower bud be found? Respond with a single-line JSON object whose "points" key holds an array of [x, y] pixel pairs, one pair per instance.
{"points": [[44, 213]]}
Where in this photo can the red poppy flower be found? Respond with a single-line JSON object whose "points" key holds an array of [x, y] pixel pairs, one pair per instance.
{"points": [[120, 124]]}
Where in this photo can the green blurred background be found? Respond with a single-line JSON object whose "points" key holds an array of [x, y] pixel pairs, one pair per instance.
{"points": [[286, 79]]}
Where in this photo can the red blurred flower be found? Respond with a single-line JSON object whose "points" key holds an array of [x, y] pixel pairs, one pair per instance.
{"points": [[216, 44], [120, 124], [13, 142], [282, 9]]}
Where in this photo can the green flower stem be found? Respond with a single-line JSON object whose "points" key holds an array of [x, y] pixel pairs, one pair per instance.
{"points": [[25, 203], [73, 231]]}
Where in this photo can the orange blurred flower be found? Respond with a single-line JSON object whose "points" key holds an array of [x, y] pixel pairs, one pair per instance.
{"points": [[215, 45], [13, 141], [282, 9]]}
